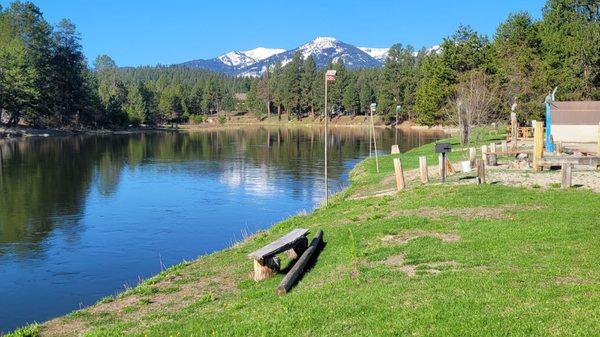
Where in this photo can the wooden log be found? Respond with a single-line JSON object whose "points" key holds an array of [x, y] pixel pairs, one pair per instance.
{"points": [[567, 174], [268, 268], [538, 145], [399, 174], [472, 156], [423, 174], [493, 158], [484, 154], [480, 172], [395, 149], [559, 160], [298, 268]]}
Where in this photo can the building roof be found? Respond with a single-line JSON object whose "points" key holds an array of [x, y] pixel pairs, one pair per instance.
{"points": [[576, 113]]}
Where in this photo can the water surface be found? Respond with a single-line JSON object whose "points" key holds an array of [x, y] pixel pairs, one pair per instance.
{"points": [[84, 217]]}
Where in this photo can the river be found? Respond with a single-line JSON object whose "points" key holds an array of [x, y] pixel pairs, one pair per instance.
{"points": [[83, 217]]}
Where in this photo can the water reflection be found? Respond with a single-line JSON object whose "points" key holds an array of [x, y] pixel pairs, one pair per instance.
{"points": [[81, 216]]}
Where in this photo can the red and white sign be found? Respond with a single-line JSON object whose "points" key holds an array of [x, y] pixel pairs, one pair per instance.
{"points": [[330, 75]]}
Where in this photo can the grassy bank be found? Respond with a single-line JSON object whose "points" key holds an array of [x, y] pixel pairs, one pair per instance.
{"points": [[451, 260]]}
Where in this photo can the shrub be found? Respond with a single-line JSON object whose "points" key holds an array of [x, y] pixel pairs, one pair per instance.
{"points": [[196, 119]]}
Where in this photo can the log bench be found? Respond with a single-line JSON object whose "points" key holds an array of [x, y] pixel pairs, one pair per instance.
{"points": [[267, 264]]}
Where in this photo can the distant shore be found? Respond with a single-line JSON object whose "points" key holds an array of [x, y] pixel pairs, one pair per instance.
{"points": [[232, 121]]}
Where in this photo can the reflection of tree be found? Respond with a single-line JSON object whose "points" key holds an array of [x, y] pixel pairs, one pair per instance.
{"points": [[44, 182]]}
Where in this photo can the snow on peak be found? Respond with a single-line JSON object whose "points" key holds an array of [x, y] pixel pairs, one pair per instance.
{"points": [[248, 57], [323, 42], [262, 53], [234, 58], [376, 53], [318, 45]]}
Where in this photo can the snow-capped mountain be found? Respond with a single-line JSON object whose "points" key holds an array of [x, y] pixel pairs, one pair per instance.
{"points": [[231, 62], [322, 49], [377, 53], [254, 62]]}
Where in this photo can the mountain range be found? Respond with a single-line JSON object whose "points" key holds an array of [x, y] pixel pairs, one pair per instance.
{"points": [[254, 62]]}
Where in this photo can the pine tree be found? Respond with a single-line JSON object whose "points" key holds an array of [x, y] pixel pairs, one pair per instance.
{"points": [[292, 74], [69, 90], [397, 81], [351, 100], [337, 88], [307, 82]]}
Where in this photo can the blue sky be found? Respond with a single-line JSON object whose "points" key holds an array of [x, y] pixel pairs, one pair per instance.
{"points": [[136, 32]]}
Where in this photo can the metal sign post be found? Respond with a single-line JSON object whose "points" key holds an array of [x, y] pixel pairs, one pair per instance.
{"points": [[443, 148], [329, 77]]}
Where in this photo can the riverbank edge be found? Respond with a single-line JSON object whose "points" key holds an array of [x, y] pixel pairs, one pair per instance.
{"points": [[34, 329]]}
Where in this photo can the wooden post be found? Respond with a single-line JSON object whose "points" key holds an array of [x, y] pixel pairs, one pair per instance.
{"points": [[514, 130], [484, 155], [423, 169], [480, 172], [395, 149], [399, 174], [538, 145], [472, 156], [298, 268], [440, 165], [504, 147], [567, 174], [493, 158], [267, 269]]}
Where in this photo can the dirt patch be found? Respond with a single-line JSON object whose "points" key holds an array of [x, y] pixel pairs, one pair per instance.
{"points": [[170, 294], [464, 213], [397, 262], [407, 236]]}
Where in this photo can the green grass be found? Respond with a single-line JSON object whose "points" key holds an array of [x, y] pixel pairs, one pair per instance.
{"points": [[525, 264]]}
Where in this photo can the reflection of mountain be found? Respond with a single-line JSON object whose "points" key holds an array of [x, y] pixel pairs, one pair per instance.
{"points": [[44, 183]]}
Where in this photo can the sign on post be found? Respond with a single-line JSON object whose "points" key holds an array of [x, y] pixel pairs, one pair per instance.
{"points": [[373, 107], [442, 148], [330, 75]]}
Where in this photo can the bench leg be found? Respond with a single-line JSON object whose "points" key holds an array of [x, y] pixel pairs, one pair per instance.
{"points": [[298, 249], [269, 268]]}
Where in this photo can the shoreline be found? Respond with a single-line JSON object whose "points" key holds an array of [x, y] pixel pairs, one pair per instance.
{"points": [[202, 297], [234, 122]]}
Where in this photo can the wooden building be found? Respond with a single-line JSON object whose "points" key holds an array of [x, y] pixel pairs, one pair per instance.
{"points": [[574, 122]]}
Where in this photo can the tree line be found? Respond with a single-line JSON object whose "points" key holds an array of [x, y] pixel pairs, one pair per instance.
{"points": [[469, 77], [45, 79]]}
